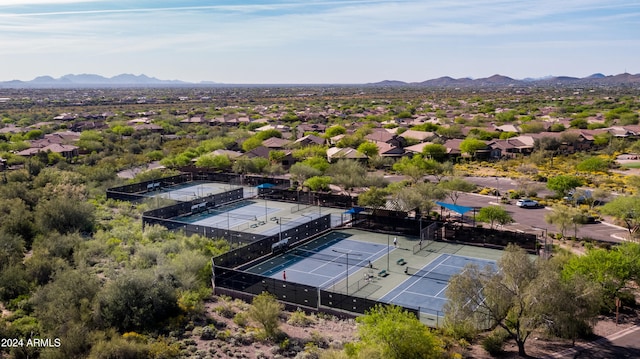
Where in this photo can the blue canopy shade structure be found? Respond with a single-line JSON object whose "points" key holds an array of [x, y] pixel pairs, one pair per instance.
{"points": [[454, 207], [355, 210], [266, 185]]}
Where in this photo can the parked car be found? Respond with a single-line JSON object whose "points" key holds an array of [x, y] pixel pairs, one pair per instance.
{"points": [[579, 196], [527, 203]]}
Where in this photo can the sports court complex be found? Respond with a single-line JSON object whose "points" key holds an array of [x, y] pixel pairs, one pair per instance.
{"points": [[311, 256], [363, 264]]}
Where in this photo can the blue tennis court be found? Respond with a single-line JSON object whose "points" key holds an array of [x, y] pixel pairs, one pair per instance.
{"points": [[323, 262], [232, 215], [425, 288]]}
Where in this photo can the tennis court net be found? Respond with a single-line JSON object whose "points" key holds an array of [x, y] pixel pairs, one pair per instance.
{"points": [[249, 217], [430, 274], [354, 259]]}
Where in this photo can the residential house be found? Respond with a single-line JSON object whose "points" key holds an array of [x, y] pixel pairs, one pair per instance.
{"points": [[417, 148], [310, 140], [420, 136], [11, 129], [453, 147], [283, 129], [382, 135], [310, 127], [275, 143], [507, 128], [231, 154], [197, 119], [624, 131], [335, 139], [264, 152], [66, 117], [389, 150], [512, 147], [67, 151], [336, 153], [150, 127]]}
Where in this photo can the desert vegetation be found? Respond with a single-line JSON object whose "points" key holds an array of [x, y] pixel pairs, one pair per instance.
{"points": [[78, 267]]}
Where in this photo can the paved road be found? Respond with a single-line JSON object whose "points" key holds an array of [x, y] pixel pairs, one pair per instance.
{"points": [[531, 220], [624, 344]]}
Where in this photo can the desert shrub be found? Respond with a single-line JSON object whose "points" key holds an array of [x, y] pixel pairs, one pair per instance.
{"points": [[300, 319], [207, 333], [494, 342], [226, 311], [462, 330], [241, 319]]}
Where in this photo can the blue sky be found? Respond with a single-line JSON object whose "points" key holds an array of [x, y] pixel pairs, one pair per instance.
{"points": [[325, 41]]}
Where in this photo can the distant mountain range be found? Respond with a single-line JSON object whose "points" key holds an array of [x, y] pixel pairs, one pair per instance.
{"points": [[91, 80], [129, 80], [504, 81]]}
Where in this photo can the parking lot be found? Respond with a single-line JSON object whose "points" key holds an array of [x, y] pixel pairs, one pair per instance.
{"points": [[531, 220]]}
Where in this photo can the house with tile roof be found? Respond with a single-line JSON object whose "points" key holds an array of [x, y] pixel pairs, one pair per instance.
{"points": [[346, 153]]}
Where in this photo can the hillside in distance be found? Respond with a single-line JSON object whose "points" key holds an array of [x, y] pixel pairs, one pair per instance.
{"points": [[597, 79], [129, 80]]}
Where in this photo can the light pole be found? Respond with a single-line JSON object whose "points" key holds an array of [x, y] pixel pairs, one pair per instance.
{"points": [[388, 251], [347, 255], [266, 211], [497, 190], [280, 223]]}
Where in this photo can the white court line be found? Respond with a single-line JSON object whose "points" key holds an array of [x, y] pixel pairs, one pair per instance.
{"points": [[366, 259], [305, 272], [424, 276]]}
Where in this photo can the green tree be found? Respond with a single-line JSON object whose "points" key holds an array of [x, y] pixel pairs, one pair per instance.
{"points": [[251, 143], [319, 163], [12, 249], [562, 184], [67, 298], [136, 300], [455, 187], [265, 309], [613, 270], [267, 134], [348, 174], [413, 167], [368, 148], [64, 215], [472, 145], [519, 296], [419, 197], [122, 131], [435, 151], [393, 333], [593, 164], [335, 131], [454, 131], [562, 217], [374, 198], [494, 214], [219, 162], [625, 209], [318, 183], [300, 172], [277, 156]]}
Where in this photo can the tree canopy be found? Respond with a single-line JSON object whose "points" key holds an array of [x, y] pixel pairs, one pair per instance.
{"points": [[393, 333], [520, 296], [493, 215], [562, 184]]}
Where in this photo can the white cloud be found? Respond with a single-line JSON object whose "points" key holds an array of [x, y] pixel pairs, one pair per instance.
{"points": [[343, 37]]}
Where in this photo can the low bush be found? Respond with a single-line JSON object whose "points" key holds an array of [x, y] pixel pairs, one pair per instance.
{"points": [[494, 342]]}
